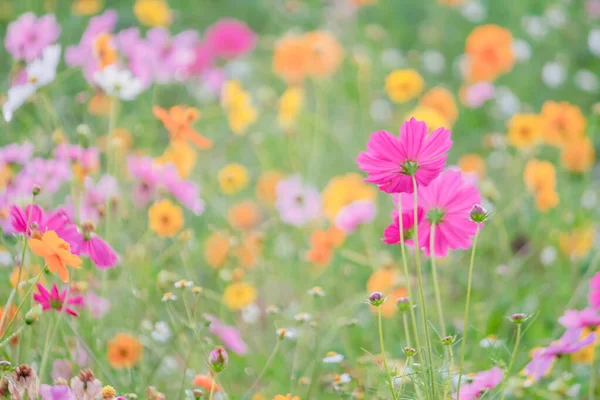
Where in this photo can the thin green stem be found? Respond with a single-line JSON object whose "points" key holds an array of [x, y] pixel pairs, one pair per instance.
{"points": [[34, 281], [448, 385], [421, 294], [14, 334], [512, 361], [592, 387], [436, 285], [212, 387], [50, 340], [466, 317], [264, 370], [383, 357], [24, 252]]}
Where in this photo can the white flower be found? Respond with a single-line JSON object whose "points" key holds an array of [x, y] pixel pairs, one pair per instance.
{"points": [[521, 50], [594, 42], [434, 62], [473, 11], [303, 317], [168, 297], [316, 291], [183, 284], [251, 313], [286, 333], [507, 102], [39, 72], [381, 110], [333, 358], [119, 82], [589, 199], [556, 17], [548, 255], [553, 74], [534, 26], [491, 341], [586, 81], [392, 58], [161, 332]]}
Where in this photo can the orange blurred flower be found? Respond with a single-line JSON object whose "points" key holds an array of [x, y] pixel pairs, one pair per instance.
{"points": [[104, 50], [249, 250], [216, 249], [166, 218], [472, 163], [578, 155], [525, 130], [206, 382], [326, 53], [177, 120], [292, 59], [244, 216], [180, 154], [441, 100], [10, 315], [323, 242], [286, 397], [563, 122], [266, 187], [56, 252], [489, 51], [124, 351]]}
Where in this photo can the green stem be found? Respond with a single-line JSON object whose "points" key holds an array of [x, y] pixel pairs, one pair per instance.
{"points": [[24, 252], [34, 281], [436, 285], [512, 361], [467, 304], [15, 333], [592, 388], [413, 318], [421, 294], [50, 339], [264, 370], [212, 387], [383, 357]]}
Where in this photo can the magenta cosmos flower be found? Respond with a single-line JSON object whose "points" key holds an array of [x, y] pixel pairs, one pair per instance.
{"points": [[28, 36], [56, 392], [230, 38], [594, 295], [171, 56], [55, 300], [391, 235], [447, 203], [391, 161], [297, 202], [483, 382], [543, 358]]}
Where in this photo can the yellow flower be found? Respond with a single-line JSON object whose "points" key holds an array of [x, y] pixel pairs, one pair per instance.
{"points": [[578, 155], [233, 178], [442, 101], [153, 12], [86, 7], [180, 154], [238, 104], [546, 199], [525, 130], [431, 117], [343, 190], [166, 218], [403, 85], [577, 243], [290, 105], [286, 397], [472, 163], [238, 295], [539, 175]]}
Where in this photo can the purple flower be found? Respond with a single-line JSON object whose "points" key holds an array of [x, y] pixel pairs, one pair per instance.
{"points": [[95, 197], [99, 306], [57, 392], [478, 93], [229, 335], [28, 36], [171, 56], [297, 202], [594, 295], [61, 369], [543, 358], [230, 38], [147, 176], [355, 214], [483, 382], [138, 53], [15, 153], [186, 192]]}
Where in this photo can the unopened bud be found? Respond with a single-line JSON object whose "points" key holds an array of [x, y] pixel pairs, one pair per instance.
{"points": [[33, 315], [376, 299], [36, 189], [448, 340], [518, 318], [403, 304], [197, 393], [478, 213], [218, 359], [409, 351], [5, 365]]}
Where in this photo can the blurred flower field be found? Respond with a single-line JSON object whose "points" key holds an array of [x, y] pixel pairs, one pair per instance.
{"points": [[299, 199]]}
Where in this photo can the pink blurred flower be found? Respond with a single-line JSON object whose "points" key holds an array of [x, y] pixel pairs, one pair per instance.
{"points": [[85, 386], [55, 300], [447, 202], [87, 157], [147, 175], [15, 153], [543, 358], [56, 392], [95, 197], [229, 335], [230, 38], [391, 235], [481, 383], [203, 60], [171, 56], [138, 53], [297, 202], [28, 36], [100, 252], [98, 306], [390, 161], [575, 321], [61, 369], [186, 192], [355, 214], [478, 93], [594, 295]]}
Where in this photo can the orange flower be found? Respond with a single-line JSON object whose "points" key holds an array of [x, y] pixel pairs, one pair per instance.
{"points": [[323, 242], [177, 120], [266, 187], [216, 249], [292, 59], [249, 250], [563, 122], [578, 155], [244, 216], [442, 101], [286, 397], [382, 280], [56, 253], [388, 308], [180, 154], [124, 351], [326, 53], [546, 199], [472, 163], [100, 104], [206, 382], [104, 50], [525, 130], [539, 175], [489, 51]]}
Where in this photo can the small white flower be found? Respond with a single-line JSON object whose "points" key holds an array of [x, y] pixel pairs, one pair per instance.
{"points": [[39, 72], [161, 332], [507, 102], [333, 358], [491, 341], [381, 110], [119, 82], [303, 317], [251, 313], [473, 11], [5, 258], [316, 291], [392, 58], [548, 255], [434, 62], [594, 42], [168, 297], [553, 74], [586, 81], [521, 50], [589, 199], [535, 26], [183, 284], [556, 17], [286, 333]]}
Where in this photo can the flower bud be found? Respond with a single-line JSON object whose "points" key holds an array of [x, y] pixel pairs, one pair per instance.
{"points": [[36, 189], [33, 315], [108, 392], [478, 213], [403, 304], [197, 393], [448, 340], [519, 318], [409, 351], [5, 365], [376, 299], [218, 359]]}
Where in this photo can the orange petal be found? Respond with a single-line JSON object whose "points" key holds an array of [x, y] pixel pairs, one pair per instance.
{"points": [[199, 140], [53, 262], [63, 273], [40, 248]]}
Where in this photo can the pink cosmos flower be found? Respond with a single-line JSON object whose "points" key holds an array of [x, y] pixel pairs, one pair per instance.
{"points": [[391, 235], [97, 250], [575, 321], [478, 93], [85, 386], [61, 369], [390, 160], [95, 197], [543, 358], [56, 392], [203, 60], [87, 157], [186, 192], [55, 300], [15, 153], [98, 306], [138, 53], [28, 36], [147, 175], [230, 38], [297, 202], [171, 57], [483, 382], [49, 174], [447, 202], [82, 55], [229, 335], [355, 214], [594, 295]]}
